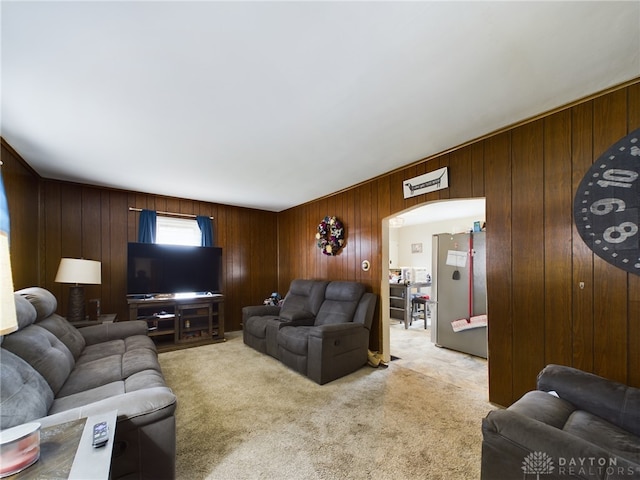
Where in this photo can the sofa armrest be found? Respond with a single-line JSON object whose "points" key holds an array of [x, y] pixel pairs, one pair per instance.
{"points": [[259, 311], [113, 331], [615, 402], [135, 409], [509, 437], [335, 350], [336, 330], [366, 308]]}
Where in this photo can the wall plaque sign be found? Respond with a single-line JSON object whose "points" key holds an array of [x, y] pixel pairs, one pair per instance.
{"points": [[607, 203], [428, 182]]}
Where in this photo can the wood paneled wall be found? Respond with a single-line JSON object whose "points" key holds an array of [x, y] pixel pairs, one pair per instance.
{"points": [[535, 257], [96, 223]]}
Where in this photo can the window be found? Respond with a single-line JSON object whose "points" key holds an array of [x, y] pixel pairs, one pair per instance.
{"points": [[177, 231]]}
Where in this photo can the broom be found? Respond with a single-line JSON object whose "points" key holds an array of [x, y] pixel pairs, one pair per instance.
{"points": [[473, 321]]}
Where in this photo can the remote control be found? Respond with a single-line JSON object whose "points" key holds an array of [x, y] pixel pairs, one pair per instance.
{"points": [[100, 434]]}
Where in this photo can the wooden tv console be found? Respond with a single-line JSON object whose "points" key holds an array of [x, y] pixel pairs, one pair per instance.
{"points": [[176, 321]]}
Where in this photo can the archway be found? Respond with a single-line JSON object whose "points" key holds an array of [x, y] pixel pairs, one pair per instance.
{"points": [[447, 216]]}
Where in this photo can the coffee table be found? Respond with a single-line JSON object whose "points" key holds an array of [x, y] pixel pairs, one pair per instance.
{"points": [[66, 451]]}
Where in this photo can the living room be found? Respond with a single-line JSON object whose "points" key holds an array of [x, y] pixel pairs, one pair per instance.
{"points": [[597, 334], [551, 299]]}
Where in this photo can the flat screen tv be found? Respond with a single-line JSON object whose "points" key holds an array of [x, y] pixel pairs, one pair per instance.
{"points": [[154, 269]]}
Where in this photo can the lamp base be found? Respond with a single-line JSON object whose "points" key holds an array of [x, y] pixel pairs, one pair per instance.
{"points": [[76, 311]]}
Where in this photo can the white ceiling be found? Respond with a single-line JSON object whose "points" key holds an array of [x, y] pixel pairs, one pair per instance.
{"points": [[272, 104]]}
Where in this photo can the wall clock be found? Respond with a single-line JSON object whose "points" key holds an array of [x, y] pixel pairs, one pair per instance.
{"points": [[607, 203]]}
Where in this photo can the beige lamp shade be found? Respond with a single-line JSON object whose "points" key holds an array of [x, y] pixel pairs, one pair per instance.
{"points": [[79, 271], [8, 319]]}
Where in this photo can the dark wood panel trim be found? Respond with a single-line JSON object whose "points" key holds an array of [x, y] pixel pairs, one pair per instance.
{"points": [[558, 220], [582, 258], [497, 160], [527, 255]]}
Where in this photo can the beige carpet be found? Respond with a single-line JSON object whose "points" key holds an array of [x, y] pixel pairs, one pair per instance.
{"points": [[244, 415]]}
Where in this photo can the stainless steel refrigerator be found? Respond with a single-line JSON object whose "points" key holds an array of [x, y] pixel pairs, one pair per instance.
{"points": [[459, 288]]}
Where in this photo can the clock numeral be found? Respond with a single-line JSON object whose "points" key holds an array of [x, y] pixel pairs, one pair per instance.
{"points": [[618, 234], [606, 205], [616, 177]]}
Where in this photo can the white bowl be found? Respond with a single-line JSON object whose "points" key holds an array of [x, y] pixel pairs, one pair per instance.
{"points": [[19, 448]]}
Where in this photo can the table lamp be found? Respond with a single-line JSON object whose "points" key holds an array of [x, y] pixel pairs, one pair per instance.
{"points": [[78, 271]]}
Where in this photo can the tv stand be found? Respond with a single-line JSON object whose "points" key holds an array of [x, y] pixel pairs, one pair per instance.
{"points": [[177, 322]]}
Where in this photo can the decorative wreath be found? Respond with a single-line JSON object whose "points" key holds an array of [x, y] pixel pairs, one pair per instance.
{"points": [[330, 235]]}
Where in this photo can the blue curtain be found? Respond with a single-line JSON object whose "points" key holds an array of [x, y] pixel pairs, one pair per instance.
{"points": [[4, 210], [8, 318], [206, 228], [147, 229]]}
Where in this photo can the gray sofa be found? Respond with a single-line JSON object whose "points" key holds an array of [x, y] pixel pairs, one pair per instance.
{"points": [[576, 425], [321, 330], [53, 373]]}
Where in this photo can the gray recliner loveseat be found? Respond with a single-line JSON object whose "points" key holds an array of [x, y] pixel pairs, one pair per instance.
{"points": [[575, 425], [321, 330], [52, 373]]}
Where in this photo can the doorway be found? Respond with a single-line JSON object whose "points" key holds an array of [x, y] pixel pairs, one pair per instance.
{"points": [[407, 251]]}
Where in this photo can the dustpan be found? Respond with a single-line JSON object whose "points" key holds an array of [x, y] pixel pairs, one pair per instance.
{"points": [[473, 322]]}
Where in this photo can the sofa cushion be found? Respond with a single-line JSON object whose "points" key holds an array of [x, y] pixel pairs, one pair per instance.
{"points": [[86, 397], [138, 360], [139, 381], [112, 368], [43, 300], [615, 402], [139, 342], [101, 350], [105, 332], [604, 434], [294, 339], [544, 407], [143, 380], [303, 295], [43, 351], [257, 326], [25, 312], [116, 347], [92, 374], [340, 303], [65, 332], [24, 394]]}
